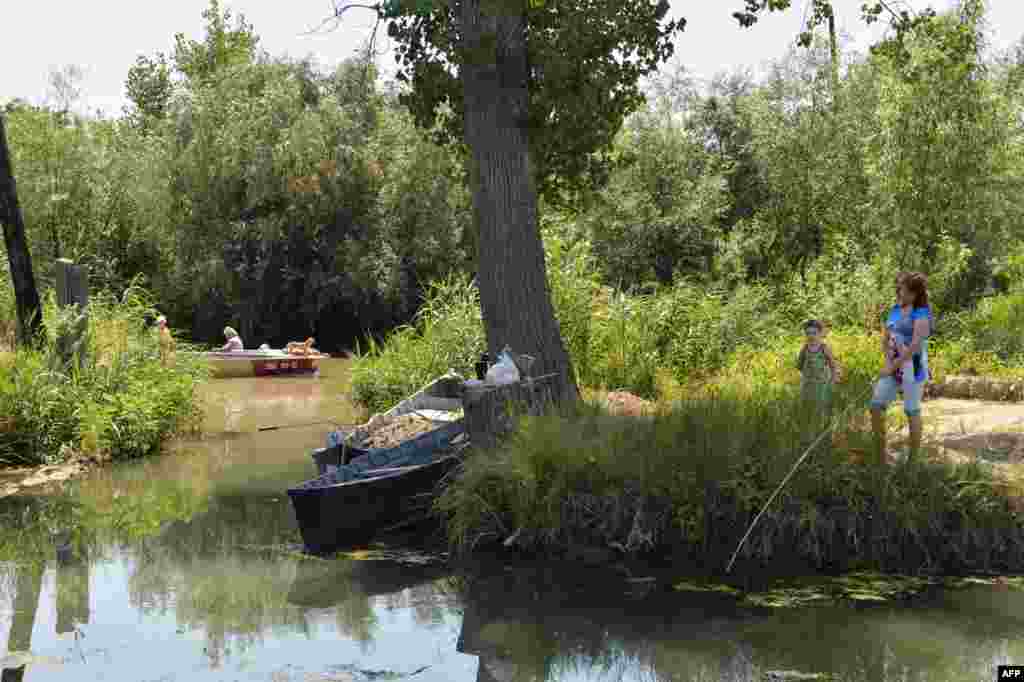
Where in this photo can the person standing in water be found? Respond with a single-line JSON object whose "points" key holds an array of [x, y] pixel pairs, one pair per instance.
{"points": [[818, 372], [234, 341], [906, 332]]}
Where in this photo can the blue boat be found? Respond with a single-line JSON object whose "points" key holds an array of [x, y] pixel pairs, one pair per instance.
{"points": [[357, 501], [362, 492]]}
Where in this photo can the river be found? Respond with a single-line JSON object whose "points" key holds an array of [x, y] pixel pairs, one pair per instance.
{"points": [[187, 567]]}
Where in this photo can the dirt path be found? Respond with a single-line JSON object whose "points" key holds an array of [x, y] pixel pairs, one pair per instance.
{"points": [[991, 430], [966, 430]]}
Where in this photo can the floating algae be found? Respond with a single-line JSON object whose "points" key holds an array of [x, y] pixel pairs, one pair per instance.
{"points": [[1012, 582], [862, 587], [859, 587], [687, 586], [868, 587]]}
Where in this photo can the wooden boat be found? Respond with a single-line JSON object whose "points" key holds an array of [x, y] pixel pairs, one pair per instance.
{"points": [[438, 401], [261, 363], [353, 504]]}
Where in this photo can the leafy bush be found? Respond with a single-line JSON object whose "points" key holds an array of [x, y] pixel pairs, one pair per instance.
{"points": [[996, 326], [119, 402]]}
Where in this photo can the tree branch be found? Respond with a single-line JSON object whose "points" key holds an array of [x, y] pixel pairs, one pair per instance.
{"points": [[336, 17]]}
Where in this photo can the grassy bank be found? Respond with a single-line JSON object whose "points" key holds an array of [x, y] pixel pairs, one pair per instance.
{"points": [[689, 481], [119, 403]]}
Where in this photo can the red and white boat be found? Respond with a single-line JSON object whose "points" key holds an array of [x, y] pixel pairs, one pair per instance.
{"points": [[262, 363]]}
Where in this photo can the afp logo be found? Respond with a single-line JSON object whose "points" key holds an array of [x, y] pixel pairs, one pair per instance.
{"points": [[1010, 672]]}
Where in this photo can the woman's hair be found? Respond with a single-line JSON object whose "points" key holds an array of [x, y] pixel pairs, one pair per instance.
{"points": [[917, 284], [818, 324], [229, 332], [901, 277]]}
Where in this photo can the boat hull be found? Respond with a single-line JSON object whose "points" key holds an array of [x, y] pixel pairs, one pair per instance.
{"points": [[232, 365], [336, 515]]}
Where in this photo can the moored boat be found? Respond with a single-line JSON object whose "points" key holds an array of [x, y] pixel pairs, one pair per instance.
{"points": [[261, 363], [358, 501], [437, 403]]}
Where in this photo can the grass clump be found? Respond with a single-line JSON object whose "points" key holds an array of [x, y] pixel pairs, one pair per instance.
{"points": [[689, 481], [118, 402], [447, 334]]}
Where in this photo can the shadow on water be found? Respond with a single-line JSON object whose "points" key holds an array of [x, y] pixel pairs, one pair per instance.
{"points": [[188, 567]]}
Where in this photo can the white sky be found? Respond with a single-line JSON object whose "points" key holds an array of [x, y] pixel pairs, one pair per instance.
{"points": [[104, 36]]}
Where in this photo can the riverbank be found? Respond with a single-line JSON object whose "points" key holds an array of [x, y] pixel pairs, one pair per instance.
{"points": [[114, 400], [687, 483]]}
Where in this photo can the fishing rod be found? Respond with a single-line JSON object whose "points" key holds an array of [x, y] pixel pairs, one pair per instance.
{"points": [[295, 426], [792, 471]]}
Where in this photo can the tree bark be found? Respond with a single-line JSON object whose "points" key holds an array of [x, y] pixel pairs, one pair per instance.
{"points": [[514, 295], [26, 296]]}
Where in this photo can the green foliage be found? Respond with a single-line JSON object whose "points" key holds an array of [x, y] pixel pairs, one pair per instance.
{"points": [[658, 214], [222, 48], [580, 89], [447, 334], [574, 284], [942, 159], [120, 403], [149, 89]]}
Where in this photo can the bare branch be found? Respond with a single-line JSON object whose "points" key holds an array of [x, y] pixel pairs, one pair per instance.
{"points": [[336, 17]]}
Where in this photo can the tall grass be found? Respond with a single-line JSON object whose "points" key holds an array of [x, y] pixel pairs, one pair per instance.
{"points": [[691, 479], [118, 402], [447, 334]]}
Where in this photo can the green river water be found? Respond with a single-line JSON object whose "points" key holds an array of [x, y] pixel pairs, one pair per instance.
{"points": [[188, 567]]}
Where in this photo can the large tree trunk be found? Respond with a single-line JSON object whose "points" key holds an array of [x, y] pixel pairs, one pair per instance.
{"points": [[26, 297], [514, 295]]}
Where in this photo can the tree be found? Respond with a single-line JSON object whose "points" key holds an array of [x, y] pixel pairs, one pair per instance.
{"points": [[223, 46], [523, 86], [65, 87], [149, 89], [538, 89], [30, 318]]}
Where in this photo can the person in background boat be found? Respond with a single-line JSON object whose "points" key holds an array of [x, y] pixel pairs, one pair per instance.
{"points": [[165, 341], [234, 341], [908, 327], [305, 348], [818, 372]]}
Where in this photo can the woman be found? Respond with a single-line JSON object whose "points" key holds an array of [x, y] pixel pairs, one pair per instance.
{"points": [[906, 332], [234, 341], [165, 340]]}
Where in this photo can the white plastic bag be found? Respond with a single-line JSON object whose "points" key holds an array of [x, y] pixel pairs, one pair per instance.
{"points": [[504, 371]]}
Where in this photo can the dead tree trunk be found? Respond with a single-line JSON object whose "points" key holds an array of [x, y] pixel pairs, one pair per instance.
{"points": [[26, 296], [514, 296]]}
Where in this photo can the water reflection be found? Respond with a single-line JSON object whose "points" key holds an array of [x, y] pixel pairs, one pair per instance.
{"points": [[525, 626], [28, 582]]}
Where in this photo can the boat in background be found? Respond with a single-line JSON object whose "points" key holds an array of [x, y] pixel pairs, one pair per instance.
{"points": [[262, 363]]}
